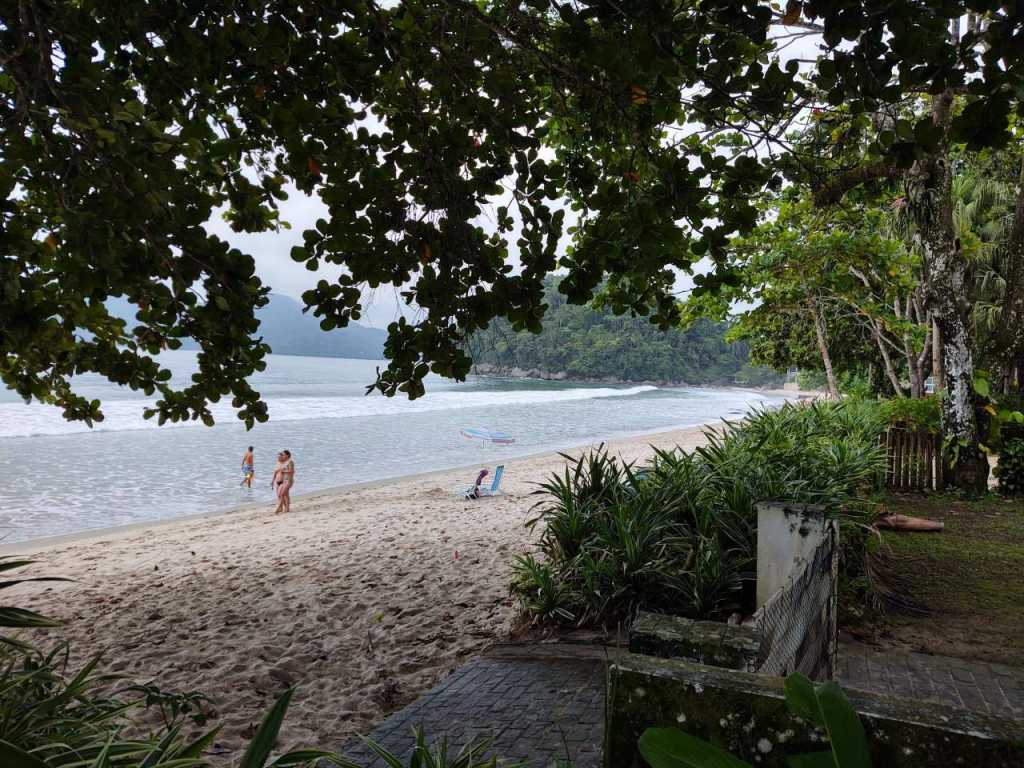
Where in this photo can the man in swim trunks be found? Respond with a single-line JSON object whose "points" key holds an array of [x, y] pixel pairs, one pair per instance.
{"points": [[248, 469]]}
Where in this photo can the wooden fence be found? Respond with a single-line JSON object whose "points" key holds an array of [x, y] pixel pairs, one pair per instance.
{"points": [[913, 459]]}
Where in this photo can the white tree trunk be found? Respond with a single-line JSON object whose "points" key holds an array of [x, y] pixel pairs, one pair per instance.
{"points": [[822, 334]]}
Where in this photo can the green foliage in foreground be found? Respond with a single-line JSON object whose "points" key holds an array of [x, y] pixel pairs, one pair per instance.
{"points": [[824, 706], [52, 719], [588, 342], [678, 535], [437, 755], [12, 617], [1010, 469]]}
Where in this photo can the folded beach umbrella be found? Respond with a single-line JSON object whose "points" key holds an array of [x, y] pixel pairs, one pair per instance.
{"points": [[487, 435]]}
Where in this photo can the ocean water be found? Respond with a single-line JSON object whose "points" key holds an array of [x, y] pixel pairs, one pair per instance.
{"points": [[61, 477]]}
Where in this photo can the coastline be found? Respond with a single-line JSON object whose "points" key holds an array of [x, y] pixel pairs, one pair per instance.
{"points": [[362, 597], [491, 370], [41, 543]]}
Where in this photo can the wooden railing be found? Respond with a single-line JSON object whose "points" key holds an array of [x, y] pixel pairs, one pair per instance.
{"points": [[913, 459]]}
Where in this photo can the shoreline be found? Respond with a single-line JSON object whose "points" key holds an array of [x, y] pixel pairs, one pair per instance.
{"points": [[361, 598], [495, 371], [29, 546]]}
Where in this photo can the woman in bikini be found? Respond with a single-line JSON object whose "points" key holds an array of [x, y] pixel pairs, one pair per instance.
{"points": [[277, 479], [284, 477]]}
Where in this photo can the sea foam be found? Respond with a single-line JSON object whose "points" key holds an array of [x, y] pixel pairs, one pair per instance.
{"points": [[29, 420]]}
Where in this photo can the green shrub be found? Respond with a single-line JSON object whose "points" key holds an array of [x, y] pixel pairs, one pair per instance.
{"points": [[1010, 469], [922, 413], [678, 534], [810, 379]]}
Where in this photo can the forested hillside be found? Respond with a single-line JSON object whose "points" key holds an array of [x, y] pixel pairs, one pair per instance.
{"points": [[581, 342]]}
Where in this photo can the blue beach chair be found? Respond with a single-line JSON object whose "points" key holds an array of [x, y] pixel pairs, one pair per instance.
{"points": [[477, 491], [494, 490]]}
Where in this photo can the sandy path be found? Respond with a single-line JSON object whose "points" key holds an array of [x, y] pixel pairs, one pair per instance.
{"points": [[363, 598]]}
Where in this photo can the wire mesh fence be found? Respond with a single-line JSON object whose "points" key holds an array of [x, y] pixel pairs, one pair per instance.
{"points": [[798, 623]]}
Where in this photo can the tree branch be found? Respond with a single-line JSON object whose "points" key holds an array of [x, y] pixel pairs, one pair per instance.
{"points": [[832, 191]]}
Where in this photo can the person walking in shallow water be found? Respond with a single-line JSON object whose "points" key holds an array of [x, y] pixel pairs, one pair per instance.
{"points": [[248, 468]]}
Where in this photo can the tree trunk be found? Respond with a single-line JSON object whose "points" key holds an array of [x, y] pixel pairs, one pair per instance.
{"points": [[890, 371], [822, 333], [930, 200], [937, 372], [913, 369]]}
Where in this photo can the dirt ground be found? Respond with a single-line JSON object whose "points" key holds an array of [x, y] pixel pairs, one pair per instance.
{"points": [[969, 578]]}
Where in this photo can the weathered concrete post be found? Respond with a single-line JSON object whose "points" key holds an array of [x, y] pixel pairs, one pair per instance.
{"points": [[797, 590], [787, 535]]}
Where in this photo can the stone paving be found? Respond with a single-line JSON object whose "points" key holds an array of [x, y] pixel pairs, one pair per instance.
{"points": [[975, 685], [542, 705]]}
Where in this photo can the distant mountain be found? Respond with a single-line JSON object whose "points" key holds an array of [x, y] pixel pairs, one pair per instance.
{"points": [[290, 332]]}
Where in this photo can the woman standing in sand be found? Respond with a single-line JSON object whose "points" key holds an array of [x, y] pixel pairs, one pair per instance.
{"points": [[284, 479], [276, 479]]}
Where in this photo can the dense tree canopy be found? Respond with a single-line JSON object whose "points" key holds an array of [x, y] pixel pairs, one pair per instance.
{"points": [[444, 136]]}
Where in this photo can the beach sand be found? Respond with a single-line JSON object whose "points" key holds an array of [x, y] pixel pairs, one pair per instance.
{"points": [[362, 597]]}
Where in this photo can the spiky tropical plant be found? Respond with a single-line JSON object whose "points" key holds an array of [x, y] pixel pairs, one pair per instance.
{"points": [[12, 617], [440, 755], [678, 534]]}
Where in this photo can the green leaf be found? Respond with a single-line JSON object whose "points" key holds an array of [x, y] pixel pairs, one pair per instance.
{"points": [[263, 741], [672, 748], [306, 756], [981, 386], [8, 565], [15, 757], [197, 747], [845, 732], [801, 699], [20, 618], [154, 757]]}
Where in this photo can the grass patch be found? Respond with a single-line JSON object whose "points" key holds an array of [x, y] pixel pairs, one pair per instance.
{"points": [[969, 577]]}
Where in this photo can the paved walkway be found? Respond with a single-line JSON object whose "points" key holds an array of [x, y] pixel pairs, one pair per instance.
{"points": [[538, 704], [543, 705], [976, 685]]}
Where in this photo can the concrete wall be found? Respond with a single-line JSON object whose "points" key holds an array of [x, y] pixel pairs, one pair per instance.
{"points": [[705, 642], [746, 714]]}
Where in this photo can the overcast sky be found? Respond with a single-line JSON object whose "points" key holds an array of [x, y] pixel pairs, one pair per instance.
{"points": [[276, 268]]}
